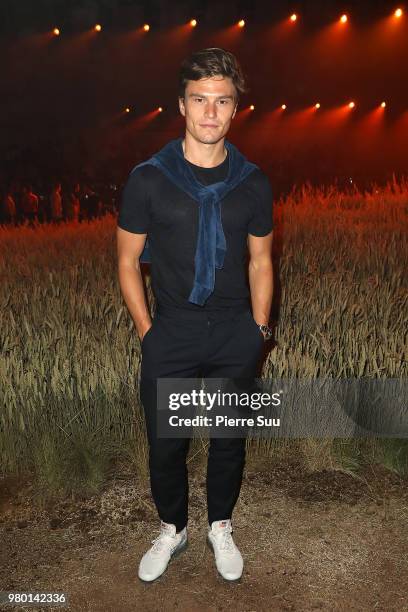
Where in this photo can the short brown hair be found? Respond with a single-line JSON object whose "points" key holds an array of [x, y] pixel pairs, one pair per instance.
{"points": [[208, 63]]}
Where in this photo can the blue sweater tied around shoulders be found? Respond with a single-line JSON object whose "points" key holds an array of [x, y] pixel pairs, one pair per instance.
{"points": [[211, 243]]}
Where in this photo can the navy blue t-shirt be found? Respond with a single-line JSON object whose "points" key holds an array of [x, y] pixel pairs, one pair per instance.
{"points": [[152, 204]]}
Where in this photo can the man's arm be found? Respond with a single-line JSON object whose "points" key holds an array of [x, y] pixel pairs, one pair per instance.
{"points": [[260, 276], [129, 249]]}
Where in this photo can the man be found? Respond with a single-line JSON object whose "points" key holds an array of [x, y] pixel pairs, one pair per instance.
{"points": [[71, 203], [29, 204], [56, 203], [195, 206], [9, 209]]}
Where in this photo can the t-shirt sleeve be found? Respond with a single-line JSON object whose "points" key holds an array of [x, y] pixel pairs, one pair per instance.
{"points": [[134, 210], [261, 222]]}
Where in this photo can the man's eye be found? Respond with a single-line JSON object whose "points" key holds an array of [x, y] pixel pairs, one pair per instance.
{"points": [[198, 99]]}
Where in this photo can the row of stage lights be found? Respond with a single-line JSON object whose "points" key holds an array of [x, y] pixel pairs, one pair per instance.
{"points": [[251, 107], [241, 23]]}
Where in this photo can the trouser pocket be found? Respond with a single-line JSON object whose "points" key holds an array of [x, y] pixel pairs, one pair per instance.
{"points": [[149, 332], [254, 325]]}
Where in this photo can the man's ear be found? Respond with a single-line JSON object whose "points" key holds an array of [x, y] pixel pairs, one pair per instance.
{"points": [[235, 110], [181, 106]]}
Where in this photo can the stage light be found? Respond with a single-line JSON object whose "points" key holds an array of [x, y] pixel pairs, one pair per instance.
{"points": [[398, 13], [351, 105], [127, 110], [98, 27], [56, 32], [193, 22], [343, 18], [317, 105], [383, 104], [252, 107], [146, 27], [283, 106], [241, 23], [293, 17], [160, 109]]}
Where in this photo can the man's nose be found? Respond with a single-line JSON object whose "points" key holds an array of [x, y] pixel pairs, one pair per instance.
{"points": [[210, 109]]}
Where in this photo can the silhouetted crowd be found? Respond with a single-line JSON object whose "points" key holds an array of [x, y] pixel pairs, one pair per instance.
{"points": [[22, 204]]}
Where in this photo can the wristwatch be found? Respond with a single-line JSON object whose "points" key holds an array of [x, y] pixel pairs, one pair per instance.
{"points": [[266, 330]]}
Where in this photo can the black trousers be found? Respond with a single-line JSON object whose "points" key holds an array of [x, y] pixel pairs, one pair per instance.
{"points": [[194, 344]]}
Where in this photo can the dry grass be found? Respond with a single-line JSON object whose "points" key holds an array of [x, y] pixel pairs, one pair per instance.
{"points": [[69, 355]]}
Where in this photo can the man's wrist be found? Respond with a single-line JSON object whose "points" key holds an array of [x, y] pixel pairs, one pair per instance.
{"points": [[266, 330]]}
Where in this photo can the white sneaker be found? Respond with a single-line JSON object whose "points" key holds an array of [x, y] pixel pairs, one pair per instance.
{"points": [[167, 545], [228, 559]]}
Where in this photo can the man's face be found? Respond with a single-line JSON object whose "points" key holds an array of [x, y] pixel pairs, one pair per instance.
{"points": [[209, 106]]}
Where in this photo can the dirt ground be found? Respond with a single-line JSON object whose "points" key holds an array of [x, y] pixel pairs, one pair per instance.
{"points": [[323, 541]]}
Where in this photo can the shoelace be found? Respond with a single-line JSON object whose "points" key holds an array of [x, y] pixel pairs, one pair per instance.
{"points": [[227, 543], [158, 543]]}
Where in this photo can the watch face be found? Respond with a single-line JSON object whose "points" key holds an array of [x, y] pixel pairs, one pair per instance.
{"points": [[267, 331]]}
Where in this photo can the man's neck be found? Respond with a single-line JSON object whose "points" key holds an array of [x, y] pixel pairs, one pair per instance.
{"points": [[204, 155]]}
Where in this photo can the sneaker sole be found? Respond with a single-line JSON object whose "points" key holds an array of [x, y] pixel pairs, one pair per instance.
{"points": [[210, 546], [173, 556]]}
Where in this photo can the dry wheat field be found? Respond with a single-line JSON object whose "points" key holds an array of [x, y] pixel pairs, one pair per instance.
{"points": [[70, 356]]}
